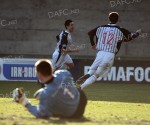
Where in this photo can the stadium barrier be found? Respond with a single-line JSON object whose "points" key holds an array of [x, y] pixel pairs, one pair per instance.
{"points": [[122, 71], [17, 69]]}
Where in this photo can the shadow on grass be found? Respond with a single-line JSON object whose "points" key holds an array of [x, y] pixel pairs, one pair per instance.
{"points": [[64, 120], [114, 92], [119, 92], [51, 119]]}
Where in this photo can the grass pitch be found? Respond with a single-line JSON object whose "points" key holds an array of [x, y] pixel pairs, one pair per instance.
{"points": [[109, 104]]}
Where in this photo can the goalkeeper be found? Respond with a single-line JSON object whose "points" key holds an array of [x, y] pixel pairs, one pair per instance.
{"points": [[59, 98]]}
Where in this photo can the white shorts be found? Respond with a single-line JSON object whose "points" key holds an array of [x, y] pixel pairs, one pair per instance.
{"points": [[64, 58], [102, 64]]}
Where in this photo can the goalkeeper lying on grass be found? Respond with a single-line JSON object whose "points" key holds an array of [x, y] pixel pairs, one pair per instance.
{"points": [[59, 97]]}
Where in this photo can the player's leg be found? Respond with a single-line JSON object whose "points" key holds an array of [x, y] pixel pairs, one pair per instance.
{"points": [[103, 68], [70, 65], [105, 74], [91, 71], [57, 61], [69, 61], [66, 62], [54, 59]]}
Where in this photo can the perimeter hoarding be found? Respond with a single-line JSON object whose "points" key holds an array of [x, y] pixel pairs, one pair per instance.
{"points": [[17, 70], [122, 71]]}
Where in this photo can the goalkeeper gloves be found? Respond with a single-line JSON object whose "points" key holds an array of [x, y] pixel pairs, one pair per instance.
{"points": [[20, 97]]}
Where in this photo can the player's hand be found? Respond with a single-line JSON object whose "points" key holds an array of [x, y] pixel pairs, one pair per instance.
{"points": [[94, 47], [139, 31], [20, 97], [70, 50], [65, 50], [37, 93]]}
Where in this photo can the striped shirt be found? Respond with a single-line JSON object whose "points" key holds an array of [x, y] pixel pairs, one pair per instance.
{"points": [[64, 39], [110, 37]]}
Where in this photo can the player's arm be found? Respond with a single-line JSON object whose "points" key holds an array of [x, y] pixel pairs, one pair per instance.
{"points": [[92, 35], [128, 36], [69, 50], [39, 112], [64, 45]]}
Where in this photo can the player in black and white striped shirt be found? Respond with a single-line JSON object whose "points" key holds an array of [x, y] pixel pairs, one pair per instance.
{"points": [[61, 59], [108, 42]]}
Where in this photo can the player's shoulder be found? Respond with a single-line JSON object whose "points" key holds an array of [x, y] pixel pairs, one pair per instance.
{"points": [[61, 74], [108, 26], [125, 31], [111, 25], [64, 33]]}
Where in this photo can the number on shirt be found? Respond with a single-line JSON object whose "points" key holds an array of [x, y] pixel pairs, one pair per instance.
{"points": [[108, 37], [66, 91]]}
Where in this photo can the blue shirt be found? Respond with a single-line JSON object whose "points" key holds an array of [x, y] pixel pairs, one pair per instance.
{"points": [[59, 97]]}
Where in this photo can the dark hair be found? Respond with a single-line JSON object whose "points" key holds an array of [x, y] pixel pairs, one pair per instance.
{"points": [[44, 67], [113, 17], [67, 23]]}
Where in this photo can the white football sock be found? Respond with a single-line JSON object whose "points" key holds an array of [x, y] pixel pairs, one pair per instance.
{"points": [[89, 81]]}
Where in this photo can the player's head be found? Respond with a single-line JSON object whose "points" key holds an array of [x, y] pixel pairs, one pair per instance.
{"points": [[113, 17], [69, 25], [44, 70]]}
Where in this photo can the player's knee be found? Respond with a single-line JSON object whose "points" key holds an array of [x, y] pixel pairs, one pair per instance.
{"points": [[71, 65], [96, 75], [102, 69], [105, 66]]}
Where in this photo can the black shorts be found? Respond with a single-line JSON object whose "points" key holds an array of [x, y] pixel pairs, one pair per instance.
{"points": [[81, 107]]}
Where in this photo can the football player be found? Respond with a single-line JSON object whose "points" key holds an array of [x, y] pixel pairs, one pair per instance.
{"points": [[108, 42], [59, 97]]}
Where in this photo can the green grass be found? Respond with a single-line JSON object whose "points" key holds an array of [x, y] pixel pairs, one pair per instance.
{"points": [[109, 104]]}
